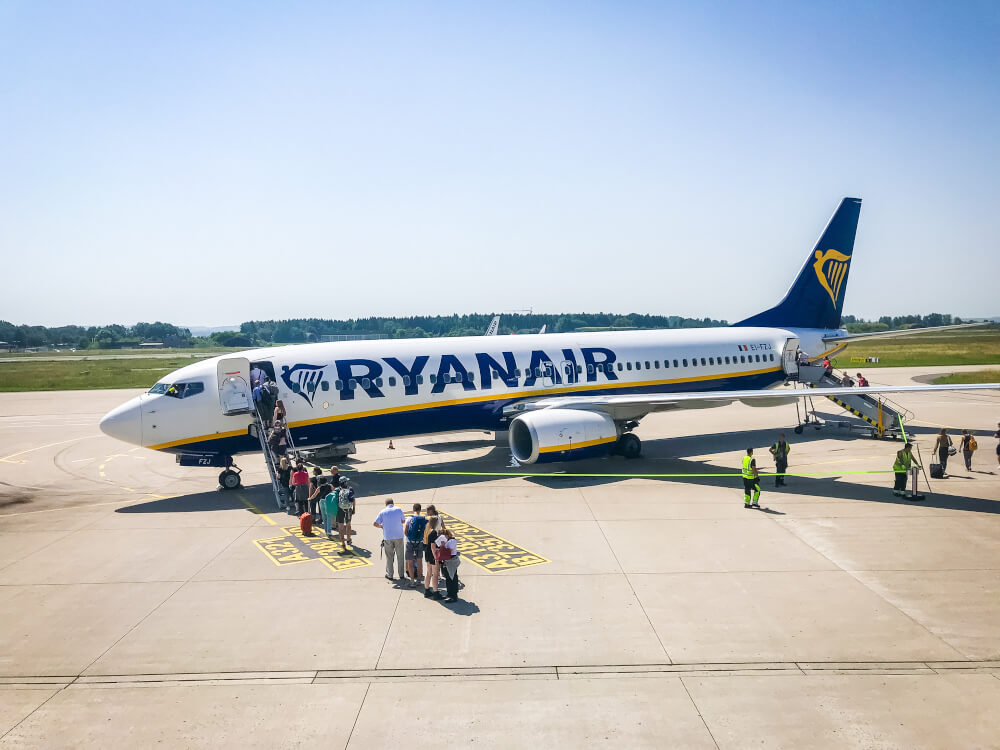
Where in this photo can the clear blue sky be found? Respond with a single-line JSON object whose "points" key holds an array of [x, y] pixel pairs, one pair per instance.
{"points": [[209, 163]]}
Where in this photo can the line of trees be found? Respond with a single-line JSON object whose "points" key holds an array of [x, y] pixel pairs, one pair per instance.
{"points": [[302, 330], [898, 323]]}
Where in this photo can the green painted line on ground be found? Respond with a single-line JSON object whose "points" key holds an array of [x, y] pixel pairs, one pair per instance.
{"points": [[616, 476]]}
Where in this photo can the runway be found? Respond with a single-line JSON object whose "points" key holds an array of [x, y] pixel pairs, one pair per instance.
{"points": [[657, 613]]}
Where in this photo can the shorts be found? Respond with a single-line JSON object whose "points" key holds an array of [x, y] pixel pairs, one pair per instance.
{"points": [[413, 550], [429, 554], [344, 516]]}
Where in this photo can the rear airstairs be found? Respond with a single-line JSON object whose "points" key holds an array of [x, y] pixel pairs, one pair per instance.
{"points": [[884, 418]]}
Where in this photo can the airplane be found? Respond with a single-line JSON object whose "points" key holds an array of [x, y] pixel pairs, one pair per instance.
{"points": [[560, 396]]}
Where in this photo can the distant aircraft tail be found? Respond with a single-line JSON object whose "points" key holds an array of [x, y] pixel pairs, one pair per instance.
{"points": [[816, 298]]}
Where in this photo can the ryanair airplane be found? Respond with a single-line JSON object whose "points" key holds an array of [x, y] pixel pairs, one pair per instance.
{"points": [[559, 396]]}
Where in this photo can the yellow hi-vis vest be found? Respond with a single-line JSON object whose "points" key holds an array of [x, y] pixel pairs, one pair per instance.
{"points": [[903, 460], [747, 468]]}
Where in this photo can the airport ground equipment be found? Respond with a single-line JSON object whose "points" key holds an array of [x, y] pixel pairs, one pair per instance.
{"points": [[883, 416]]}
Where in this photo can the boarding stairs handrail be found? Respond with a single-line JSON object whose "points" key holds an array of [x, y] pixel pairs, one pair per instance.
{"points": [[883, 413], [268, 457]]}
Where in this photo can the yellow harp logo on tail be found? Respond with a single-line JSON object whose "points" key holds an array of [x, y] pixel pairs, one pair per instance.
{"points": [[832, 276]]}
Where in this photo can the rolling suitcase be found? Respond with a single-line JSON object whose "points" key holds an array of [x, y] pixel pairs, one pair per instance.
{"points": [[937, 472], [306, 523]]}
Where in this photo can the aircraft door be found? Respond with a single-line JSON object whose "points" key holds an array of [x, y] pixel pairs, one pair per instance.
{"points": [[234, 385], [789, 357]]}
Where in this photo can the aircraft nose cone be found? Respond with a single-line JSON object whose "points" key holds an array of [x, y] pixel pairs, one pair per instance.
{"points": [[124, 423]]}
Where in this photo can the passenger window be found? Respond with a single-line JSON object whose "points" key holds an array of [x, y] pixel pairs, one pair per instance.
{"points": [[433, 379], [727, 360], [702, 361], [352, 384], [366, 383], [470, 377], [538, 372], [772, 357], [590, 369], [406, 380], [392, 381], [711, 361], [324, 386], [420, 379], [628, 365], [758, 357], [620, 368], [685, 362], [517, 373], [647, 364], [675, 363], [338, 385], [743, 358], [579, 369], [446, 378]]}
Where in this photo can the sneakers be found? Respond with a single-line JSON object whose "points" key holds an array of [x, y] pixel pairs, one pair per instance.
{"points": [[389, 578], [451, 600], [746, 505], [755, 505]]}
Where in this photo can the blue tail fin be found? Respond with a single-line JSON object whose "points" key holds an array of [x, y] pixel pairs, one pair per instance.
{"points": [[816, 299]]}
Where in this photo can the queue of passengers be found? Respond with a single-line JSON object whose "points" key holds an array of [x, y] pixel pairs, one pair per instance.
{"points": [[411, 541]]}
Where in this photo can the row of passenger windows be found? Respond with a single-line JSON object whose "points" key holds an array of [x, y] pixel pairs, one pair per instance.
{"points": [[470, 377]]}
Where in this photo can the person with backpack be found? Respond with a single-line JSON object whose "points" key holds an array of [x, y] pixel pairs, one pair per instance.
{"points": [[345, 511], [862, 381], [969, 446], [328, 506], [284, 480], [447, 555], [415, 526]]}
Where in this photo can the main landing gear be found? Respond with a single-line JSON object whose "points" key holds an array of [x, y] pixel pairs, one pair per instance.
{"points": [[229, 479], [629, 445]]}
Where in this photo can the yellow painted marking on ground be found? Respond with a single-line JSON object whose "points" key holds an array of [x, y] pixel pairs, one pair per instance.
{"points": [[487, 550], [295, 547], [257, 510], [40, 447]]}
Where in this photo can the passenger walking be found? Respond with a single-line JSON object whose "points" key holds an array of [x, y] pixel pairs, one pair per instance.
{"points": [[447, 555], [944, 449], [314, 492], [862, 381], [751, 480], [415, 526], [390, 520], [827, 366], [270, 396], [431, 533], [780, 451], [284, 480], [846, 381], [969, 446], [328, 504], [300, 488], [345, 511], [279, 414], [904, 460]]}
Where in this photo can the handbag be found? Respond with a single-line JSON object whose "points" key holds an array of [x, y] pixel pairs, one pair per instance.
{"points": [[952, 450]]}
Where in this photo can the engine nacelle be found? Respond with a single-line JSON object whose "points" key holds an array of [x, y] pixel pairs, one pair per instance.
{"points": [[561, 435]]}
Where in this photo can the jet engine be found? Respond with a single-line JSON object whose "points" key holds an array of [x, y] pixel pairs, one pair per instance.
{"points": [[561, 435]]}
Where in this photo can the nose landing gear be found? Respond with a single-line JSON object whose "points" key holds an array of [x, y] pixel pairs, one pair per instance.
{"points": [[229, 479]]}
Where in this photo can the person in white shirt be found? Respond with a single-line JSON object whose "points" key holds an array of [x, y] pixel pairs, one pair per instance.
{"points": [[390, 520], [447, 555]]}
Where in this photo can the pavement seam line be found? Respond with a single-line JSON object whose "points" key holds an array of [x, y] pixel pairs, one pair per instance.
{"points": [[698, 711], [385, 640], [169, 596], [628, 580], [851, 573], [36, 708], [357, 715]]}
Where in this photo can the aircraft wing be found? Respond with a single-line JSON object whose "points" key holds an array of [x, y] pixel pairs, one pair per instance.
{"points": [[637, 404], [894, 334]]}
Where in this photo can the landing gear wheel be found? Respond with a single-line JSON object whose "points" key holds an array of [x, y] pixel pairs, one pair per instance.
{"points": [[629, 445], [798, 430], [229, 480]]}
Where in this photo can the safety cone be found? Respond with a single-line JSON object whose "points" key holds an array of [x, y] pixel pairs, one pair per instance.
{"points": [[391, 446]]}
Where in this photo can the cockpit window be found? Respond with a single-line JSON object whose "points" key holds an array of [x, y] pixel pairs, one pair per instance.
{"points": [[178, 390]]}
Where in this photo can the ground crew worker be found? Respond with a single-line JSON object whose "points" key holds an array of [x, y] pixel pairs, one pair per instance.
{"points": [[904, 460], [751, 480], [780, 451]]}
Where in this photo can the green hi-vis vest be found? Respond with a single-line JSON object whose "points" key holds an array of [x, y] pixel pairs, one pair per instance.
{"points": [[903, 460], [781, 450], [747, 468]]}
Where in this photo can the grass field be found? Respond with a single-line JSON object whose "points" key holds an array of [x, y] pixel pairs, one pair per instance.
{"points": [[81, 375], [964, 378], [974, 346], [187, 352]]}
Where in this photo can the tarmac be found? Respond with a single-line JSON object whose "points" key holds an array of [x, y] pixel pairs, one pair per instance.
{"points": [[142, 606]]}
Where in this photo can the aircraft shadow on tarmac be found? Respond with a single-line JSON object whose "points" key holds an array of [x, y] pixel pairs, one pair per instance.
{"points": [[660, 456]]}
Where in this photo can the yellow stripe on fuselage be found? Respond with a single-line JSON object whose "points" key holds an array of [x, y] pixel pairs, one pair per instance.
{"points": [[577, 446], [493, 396]]}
